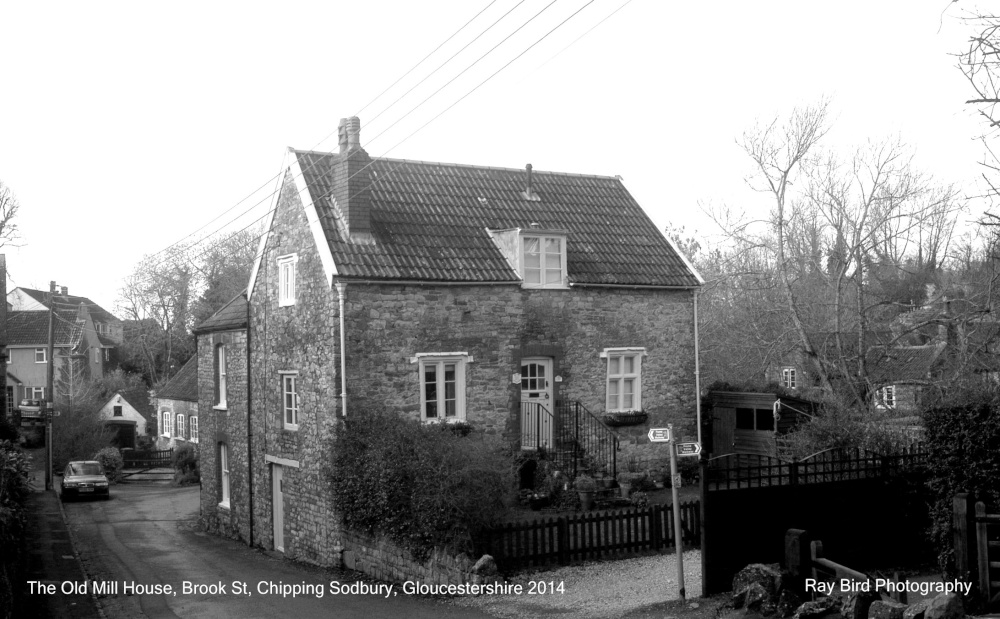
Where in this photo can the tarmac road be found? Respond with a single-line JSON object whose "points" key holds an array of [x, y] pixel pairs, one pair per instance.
{"points": [[147, 535]]}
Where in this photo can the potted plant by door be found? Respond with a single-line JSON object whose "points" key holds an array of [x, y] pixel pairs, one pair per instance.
{"points": [[585, 487], [627, 480]]}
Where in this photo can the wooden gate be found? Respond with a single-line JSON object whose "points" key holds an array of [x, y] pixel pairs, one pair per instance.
{"points": [[988, 553]]}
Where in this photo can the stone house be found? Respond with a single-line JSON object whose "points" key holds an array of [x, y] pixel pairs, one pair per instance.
{"points": [[177, 408], [225, 436], [515, 301], [128, 413]]}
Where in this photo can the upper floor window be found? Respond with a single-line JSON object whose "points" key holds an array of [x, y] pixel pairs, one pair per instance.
{"points": [[290, 400], [286, 279], [543, 261], [35, 393], [117, 411], [886, 397], [220, 376], [41, 355], [624, 391], [788, 378]]}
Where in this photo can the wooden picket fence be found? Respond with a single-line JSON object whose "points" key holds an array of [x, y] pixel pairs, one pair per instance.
{"points": [[590, 535]]}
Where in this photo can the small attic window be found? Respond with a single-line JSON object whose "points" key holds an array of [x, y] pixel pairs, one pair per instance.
{"points": [[543, 260]]}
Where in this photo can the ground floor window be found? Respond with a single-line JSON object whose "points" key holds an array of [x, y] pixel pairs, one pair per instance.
{"points": [[193, 429], [167, 428], [223, 475], [442, 386]]}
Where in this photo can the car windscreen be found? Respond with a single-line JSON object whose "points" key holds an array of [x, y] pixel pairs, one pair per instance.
{"points": [[86, 469]]}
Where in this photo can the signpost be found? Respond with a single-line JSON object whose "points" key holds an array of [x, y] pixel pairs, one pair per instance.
{"points": [[659, 435], [688, 449], [666, 435]]}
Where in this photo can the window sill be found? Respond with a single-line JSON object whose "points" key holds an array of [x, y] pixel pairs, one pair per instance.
{"points": [[286, 303], [224, 506], [220, 407], [291, 428], [538, 287]]}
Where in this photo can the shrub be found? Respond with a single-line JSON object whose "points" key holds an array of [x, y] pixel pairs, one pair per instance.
{"points": [[78, 435], [8, 432], [421, 486], [15, 486], [111, 459], [584, 483], [186, 470], [963, 444]]}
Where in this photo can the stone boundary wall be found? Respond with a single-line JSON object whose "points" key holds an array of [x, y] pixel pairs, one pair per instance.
{"points": [[384, 560]]}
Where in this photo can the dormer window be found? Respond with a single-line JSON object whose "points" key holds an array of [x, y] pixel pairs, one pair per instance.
{"points": [[543, 261]]}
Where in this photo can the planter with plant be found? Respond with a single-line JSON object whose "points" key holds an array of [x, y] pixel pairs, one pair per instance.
{"points": [[629, 479], [585, 487]]}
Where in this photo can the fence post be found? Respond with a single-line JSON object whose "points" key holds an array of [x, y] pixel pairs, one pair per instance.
{"points": [[655, 531], [576, 440], [797, 557], [793, 472], [562, 540], [982, 555], [960, 524]]}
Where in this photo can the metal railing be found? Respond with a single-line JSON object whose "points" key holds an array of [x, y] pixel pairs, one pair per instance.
{"points": [[573, 436]]}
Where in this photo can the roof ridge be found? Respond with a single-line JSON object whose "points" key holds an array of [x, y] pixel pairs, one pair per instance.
{"points": [[470, 166]]}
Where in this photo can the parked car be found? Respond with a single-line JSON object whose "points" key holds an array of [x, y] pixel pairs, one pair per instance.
{"points": [[84, 478]]}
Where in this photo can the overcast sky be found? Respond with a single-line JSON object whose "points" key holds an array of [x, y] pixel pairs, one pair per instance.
{"points": [[125, 127]]}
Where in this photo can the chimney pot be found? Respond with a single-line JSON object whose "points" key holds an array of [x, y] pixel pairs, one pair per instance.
{"points": [[64, 290]]}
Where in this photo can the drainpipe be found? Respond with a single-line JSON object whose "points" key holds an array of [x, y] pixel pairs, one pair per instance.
{"points": [[697, 369], [341, 289], [249, 427]]}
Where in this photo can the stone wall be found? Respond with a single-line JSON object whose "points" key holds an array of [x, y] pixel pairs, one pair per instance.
{"points": [[224, 426], [384, 560], [175, 407]]}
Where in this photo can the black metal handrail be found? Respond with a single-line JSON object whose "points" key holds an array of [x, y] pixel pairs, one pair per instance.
{"points": [[588, 438], [537, 426]]}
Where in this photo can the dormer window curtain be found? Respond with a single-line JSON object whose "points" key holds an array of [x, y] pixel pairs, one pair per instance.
{"points": [[543, 261]]}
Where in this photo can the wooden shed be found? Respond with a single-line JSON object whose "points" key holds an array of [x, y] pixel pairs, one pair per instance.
{"points": [[748, 422]]}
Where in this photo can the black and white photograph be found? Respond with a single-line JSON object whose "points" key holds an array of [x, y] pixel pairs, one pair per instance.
{"points": [[510, 309]]}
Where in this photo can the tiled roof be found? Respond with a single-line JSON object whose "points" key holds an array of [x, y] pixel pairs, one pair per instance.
{"points": [[184, 384], [139, 399], [429, 223], [32, 328], [233, 315], [902, 364], [63, 301]]}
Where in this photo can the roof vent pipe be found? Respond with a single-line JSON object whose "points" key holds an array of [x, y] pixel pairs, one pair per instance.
{"points": [[529, 191]]}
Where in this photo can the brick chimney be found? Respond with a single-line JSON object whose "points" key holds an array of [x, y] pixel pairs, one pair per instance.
{"points": [[64, 290], [352, 182]]}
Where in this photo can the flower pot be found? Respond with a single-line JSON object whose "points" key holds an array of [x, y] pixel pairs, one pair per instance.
{"points": [[626, 489], [586, 500]]}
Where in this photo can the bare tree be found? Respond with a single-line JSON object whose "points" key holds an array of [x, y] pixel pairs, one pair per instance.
{"points": [[9, 207]]}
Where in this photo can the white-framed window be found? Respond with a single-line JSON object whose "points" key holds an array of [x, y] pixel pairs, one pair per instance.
{"points": [[442, 386], [624, 391], [167, 429], [179, 428], [41, 355], [35, 393], [10, 402], [789, 378], [290, 400], [193, 429], [886, 397], [286, 279], [97, 355], [543, 261], [107, 354], [223, 475], [220, 376]]}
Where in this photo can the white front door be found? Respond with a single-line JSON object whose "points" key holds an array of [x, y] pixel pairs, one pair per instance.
{"points": [[536, 402], [278, 501]]}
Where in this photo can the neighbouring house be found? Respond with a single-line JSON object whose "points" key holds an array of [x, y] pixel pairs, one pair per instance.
{"points": [[525, 304], [752, 422], [128, 413], [226, 480], [177, 408], [86, 337]]}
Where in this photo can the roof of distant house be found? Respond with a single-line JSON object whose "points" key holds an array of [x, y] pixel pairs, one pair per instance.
{"points": [[432, 222], [902, 364], [65, 301], [139, 399], [32, 328], [184, 384], [231, 316]]}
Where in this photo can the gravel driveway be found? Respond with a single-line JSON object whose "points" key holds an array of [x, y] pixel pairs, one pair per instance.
{"points": [[604, 589]]}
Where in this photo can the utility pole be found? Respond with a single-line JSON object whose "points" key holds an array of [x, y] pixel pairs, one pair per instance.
{"points": [[49, 379], [5, 405]]}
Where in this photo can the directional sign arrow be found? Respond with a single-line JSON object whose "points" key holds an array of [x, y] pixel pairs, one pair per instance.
{"points": [[688, 449], [659, 435]]}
